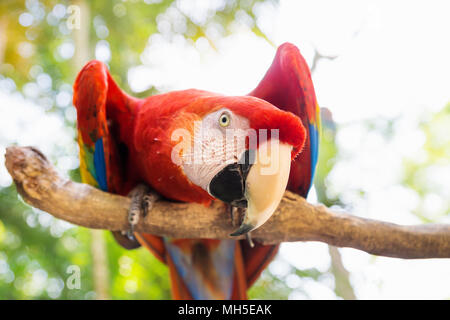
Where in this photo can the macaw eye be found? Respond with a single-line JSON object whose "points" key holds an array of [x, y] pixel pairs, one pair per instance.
{"points": [[224, 119]]}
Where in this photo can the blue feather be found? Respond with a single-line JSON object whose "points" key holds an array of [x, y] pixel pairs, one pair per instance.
{"points": [[223, 262], [314, 149], [100, 165]]}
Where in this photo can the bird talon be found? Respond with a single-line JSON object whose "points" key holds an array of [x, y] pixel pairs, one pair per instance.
{"points": [[130, 234], [148, 200], [230, 210], [137, 206], [142, 200], [249, 239], [146, 206]]}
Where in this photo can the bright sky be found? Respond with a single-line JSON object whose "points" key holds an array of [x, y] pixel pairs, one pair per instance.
{"points": [[393, 62]]}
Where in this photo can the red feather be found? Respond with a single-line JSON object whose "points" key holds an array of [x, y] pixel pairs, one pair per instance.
{"points": [[137, 145]]}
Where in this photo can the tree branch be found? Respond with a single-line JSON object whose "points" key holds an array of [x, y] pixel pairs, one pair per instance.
{"points": [[295, 220]]}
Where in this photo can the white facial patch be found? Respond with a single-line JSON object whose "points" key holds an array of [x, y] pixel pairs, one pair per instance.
{"points": [[219, 140]]}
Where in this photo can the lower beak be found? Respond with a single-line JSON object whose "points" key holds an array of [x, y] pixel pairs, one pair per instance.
{"points": [[265, 184]]}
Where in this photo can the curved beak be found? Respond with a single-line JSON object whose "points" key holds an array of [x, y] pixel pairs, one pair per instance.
{"points": [[265, 184], [258, 185]]}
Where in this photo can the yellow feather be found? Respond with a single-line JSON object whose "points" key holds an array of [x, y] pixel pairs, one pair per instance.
{"points": [[86, 176]]}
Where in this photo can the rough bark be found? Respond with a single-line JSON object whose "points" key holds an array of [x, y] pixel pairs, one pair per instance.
{"points": [[295, 220]]}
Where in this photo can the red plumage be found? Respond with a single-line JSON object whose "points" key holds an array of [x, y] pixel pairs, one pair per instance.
{"points": [[133, 138]]}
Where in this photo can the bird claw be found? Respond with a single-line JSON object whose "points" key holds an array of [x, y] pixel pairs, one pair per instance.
{"points": [[241, 215], [148, 201], [135, 209], [142, 200], [231, 210], [249, 239]]}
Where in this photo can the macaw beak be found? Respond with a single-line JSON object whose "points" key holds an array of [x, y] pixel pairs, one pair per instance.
{"points": [[258, 183]]}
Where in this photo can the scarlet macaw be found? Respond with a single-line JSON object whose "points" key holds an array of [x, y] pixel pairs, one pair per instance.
{"points": [[125, 141]]}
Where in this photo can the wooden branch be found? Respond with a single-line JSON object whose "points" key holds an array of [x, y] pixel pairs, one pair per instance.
{"points": [[295, 220]]}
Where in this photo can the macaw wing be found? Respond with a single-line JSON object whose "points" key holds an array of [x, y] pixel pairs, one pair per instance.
{"points": [[101, 164], [288, 86], [104, 121]]}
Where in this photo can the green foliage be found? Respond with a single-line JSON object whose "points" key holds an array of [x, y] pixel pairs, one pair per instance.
{"points": [[136, 274], [327, 157], [283, 286], [421, 172], [36, 250]]}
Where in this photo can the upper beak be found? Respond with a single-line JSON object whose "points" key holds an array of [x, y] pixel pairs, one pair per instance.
{"points": [[258, 186]]}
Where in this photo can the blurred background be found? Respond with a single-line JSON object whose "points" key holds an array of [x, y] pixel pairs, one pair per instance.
{"points": [[381, 70]]}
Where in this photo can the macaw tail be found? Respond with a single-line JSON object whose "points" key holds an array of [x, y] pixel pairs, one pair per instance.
{"points": [[210, 269]]}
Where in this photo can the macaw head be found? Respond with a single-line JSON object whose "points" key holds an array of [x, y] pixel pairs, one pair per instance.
{"points": [[240, 152]]}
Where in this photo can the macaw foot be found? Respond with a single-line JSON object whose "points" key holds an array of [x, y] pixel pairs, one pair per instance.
{"points": [[236, 222], [248, 236], [232, 211], [142, 200]]}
